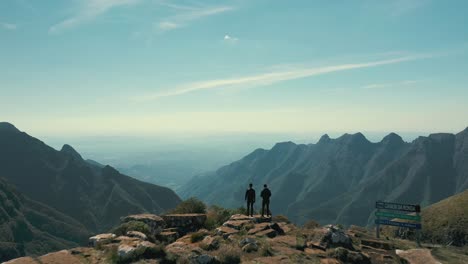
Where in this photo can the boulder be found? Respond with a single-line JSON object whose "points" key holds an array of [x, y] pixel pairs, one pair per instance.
{"points": [[240, 217], [350, 257], [330, 236], [226, 231], [183, 250], [247, 240], [374, 243], [277, 228], [154, 222], [250, 247], [238, 224], [101, 239], [415, 256], [133, 250], [137, 234], [185, 223], [258, 227], [202, 259], [268, 233], [168, 236], [210, 243], [124, 239]]}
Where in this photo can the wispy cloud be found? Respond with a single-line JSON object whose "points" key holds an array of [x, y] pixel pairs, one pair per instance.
{"points": [[88, 11], [230, 39], [8, 26], [187, 14], [390, 84], [272, 77]]}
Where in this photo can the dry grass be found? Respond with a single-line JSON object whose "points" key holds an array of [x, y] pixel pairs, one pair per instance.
{"points": [[229, 254]]}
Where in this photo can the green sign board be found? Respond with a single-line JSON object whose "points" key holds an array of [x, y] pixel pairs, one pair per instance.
{"points": [[399, 224], [397, 215]]}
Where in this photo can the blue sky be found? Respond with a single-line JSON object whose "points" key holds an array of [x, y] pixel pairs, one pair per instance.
{"points": [[146, 67]]}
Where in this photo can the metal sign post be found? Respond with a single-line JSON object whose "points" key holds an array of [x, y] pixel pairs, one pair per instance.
{"points": [[390, 217]]}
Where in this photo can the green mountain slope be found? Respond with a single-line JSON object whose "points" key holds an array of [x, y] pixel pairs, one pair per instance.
{"points": [[446, 222], [31, 228]]}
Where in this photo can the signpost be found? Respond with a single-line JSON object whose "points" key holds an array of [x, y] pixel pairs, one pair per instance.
{"points": [[397, 215], [394, 212]]}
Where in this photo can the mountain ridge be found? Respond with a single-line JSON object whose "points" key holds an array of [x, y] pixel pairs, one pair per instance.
{"points": [[92, 195], [338, 180]]}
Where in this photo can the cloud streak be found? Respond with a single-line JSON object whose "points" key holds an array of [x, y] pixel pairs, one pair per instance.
{"points": [[272, 77], [386, 85], [89, 10], [189, 14]]}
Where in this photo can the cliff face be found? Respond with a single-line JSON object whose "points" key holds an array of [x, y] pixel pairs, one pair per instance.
{"points": [[339, 180]]}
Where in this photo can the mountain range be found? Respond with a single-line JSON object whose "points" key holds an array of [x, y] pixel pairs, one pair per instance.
{"points": [[53, 199], [339, 180]]}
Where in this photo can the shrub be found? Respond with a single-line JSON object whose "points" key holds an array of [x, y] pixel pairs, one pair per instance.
{"points": [[197, 236], [300, 242], [280, 219], [266, 250], [133, 226], [111, 255], [311, 224], [229, 255], [239, 210], [217, 215], [190, 206], [155, 252]]}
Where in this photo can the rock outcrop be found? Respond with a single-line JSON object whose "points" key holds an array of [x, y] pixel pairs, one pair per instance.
{"points": [[185, 223], [250, 241]]}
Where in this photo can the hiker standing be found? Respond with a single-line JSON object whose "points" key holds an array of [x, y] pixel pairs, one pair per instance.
{"points": [[250, 198], [266, 194]]}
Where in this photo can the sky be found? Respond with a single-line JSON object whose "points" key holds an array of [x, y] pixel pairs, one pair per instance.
{"points": [[150, 67]]}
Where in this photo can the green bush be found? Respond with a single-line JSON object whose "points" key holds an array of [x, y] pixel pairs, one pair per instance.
{"points": [[132, 226], [217, 215], [190, 206], [197, 236], [155, 252], [111, 255]]}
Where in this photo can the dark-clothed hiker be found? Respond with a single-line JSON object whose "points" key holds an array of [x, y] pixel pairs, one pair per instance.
{"points": [[266, 194], [250, 198]]}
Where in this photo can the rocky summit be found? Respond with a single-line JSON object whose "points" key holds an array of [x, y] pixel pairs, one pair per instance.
{"points": [[181, 238]]}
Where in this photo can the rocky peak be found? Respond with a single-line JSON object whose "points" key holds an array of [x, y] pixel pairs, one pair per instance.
{"points": [[324, 139], [7, 127], [357, 138], [283, 146], [392, 139], [70, 151]]}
